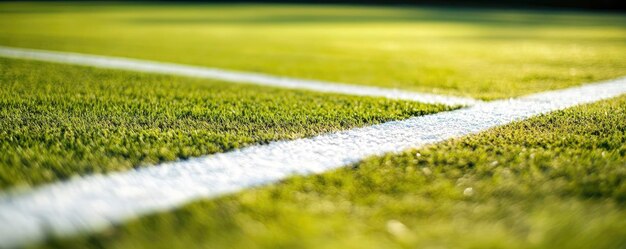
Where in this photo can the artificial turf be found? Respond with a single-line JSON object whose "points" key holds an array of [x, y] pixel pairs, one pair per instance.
{"points": [[484, 53], [58, 121], [554, 181]]}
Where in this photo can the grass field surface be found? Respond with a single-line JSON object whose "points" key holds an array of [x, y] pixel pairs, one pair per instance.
{"points": [[552, 181], [469, 52], [556, 180], [57, 121]]}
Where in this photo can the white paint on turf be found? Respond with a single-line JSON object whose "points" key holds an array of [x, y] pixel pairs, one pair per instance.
{"points": [[227, 75], [94, 202]]}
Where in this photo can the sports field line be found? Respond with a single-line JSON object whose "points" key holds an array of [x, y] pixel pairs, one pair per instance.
{"points": [[227, 75], [95, 202]]}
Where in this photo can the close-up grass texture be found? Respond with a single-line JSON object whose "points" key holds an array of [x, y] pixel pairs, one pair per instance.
{"points": [[480, 53], [460, 124], [555, 181], [57, 121]]}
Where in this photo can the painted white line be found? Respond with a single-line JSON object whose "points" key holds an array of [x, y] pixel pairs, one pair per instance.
{"points": [[227, 75], [94, 202]]}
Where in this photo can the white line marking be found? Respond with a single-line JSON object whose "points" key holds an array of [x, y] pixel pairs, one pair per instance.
{"points": [[94, 202], [226, 75]]}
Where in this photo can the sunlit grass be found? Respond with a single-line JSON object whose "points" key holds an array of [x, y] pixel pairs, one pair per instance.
{"points": [[58, 121], [555, 181], [472, 52]]}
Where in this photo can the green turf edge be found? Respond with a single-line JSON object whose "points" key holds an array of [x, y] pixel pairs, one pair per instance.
{"points": [[59, 121], [555, 181]]}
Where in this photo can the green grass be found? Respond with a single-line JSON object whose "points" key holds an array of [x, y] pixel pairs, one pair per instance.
{"points": [[57, 121], [554, 181], [471, 52]]}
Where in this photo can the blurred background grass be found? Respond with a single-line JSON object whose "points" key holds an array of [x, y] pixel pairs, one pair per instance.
{"points": [[476, 52], [570, 4]]}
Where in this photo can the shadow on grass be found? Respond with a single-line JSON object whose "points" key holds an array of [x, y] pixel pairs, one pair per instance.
{"points": [[468, 16]]}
